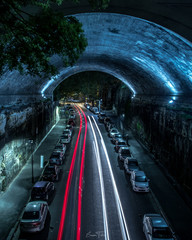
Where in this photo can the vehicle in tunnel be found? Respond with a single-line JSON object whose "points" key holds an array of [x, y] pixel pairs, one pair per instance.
{"points": [[60, 148], [70, 127], [116, 137], [51, 173], [120, 142], [67, 131], [65, 138], [56, 158], [155, 227], [113, 131], [34, 216], [123, 153], [42, 190], [71, 122], [139, 181], [131, 164]]}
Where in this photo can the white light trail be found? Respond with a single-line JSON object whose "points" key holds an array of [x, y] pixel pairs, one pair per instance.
{"points": [[123, 224], [106, 231]]}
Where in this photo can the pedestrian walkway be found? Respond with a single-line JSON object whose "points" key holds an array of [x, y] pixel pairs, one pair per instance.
{"points": [[13, 200]]}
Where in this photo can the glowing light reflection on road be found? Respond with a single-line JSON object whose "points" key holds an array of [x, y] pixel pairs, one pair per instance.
{"points": [[106, 231], [63, 214], [123, 224], [81, 182]]}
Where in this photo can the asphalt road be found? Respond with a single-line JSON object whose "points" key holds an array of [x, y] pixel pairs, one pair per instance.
{"points": [[110, 208]]}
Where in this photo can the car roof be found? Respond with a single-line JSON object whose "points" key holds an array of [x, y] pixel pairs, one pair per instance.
{"points": [[40, 184], [140, 173]]}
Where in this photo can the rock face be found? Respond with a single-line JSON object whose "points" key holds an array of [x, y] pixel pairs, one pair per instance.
{"points": [[165, 129], [17, 126]]}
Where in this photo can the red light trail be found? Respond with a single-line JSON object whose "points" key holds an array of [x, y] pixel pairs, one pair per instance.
{"points": [[78, 236], [61, 226]]}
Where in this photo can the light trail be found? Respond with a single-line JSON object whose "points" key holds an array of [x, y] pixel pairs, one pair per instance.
{"points": [[78, 236], [106, 231], [123, 224], [63, 214]]}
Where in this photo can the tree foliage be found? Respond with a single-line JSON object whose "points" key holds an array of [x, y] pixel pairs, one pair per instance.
{"points": [[86, 84], [28, 40]]}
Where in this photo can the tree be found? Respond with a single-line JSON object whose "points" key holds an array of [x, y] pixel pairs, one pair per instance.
{"points": [[29, 40]]}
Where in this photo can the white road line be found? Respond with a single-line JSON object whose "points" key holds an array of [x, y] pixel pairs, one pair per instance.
{"points": [[95, 144], [122, 221]]}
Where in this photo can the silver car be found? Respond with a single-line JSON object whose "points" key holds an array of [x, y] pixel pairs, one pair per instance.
{"points": [[34, 216], [139, 181], [155, 227], [131, 164]]}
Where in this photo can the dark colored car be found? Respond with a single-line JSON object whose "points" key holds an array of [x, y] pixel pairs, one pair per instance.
{"points": [[51, 173], [115, 137], [56, 158], [120, 142], [71, 122], [123, 153], [42, 190]]}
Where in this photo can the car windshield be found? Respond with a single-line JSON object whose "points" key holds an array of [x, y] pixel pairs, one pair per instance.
{"points": [[38, 190], [65, 136], [162, 233], [121, 143], [140, 179], [133, 163], [125, 151], [49, 170], [31, 215]]}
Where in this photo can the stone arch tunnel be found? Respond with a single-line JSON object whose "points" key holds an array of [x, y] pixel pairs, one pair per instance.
{"points": [[150, 51]]}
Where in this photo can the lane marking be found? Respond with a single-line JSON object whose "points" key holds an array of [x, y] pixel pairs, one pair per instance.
{"points": [[122, 221], [66, 195], [96, 148]]}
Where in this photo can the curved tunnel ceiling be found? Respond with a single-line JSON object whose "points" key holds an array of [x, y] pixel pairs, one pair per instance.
{"points": [[147, 57]]}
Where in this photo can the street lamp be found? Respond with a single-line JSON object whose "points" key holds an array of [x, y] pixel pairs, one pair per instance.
{"points": [[32, 175]]}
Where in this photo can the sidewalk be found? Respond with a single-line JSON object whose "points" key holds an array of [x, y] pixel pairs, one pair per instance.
{"points": [[13, 200]]}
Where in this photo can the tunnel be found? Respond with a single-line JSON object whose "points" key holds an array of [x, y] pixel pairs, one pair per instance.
{"points": [[152, 58]]}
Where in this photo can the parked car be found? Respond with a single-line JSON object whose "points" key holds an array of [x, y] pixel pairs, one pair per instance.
{"points": [[155, 227], [95, 110], [56, 158], [131, 164], [115, 137], [120, 142], [87, 105], [106, 120], [101, 117], [60, 148], [139, 181], [70, 127], [72, 111], [113, 131], [109, 126], [42, 190], [65, 138], [51, 173], [123, 153], [67, 131], [72, 116], [71, 122], [34, 216]]}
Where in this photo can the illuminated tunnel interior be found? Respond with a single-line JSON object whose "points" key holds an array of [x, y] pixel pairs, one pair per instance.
{"points": [[148, 58]]}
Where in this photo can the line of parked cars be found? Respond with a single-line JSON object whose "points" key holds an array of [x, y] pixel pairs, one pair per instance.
{"points": [[37, 209], [154, 225]]}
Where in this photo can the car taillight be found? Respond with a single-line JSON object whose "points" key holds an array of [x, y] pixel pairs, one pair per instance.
{"points": [[36, 224]]}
